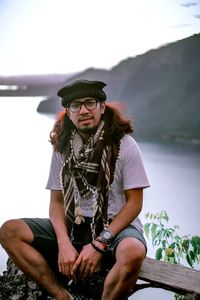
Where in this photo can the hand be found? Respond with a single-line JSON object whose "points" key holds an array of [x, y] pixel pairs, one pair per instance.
{"points": [[88, 262], [67, 256]]}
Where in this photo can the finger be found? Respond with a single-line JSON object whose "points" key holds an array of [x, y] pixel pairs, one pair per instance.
{"points": [[70, 271], [86, 273], [74, 269], [64, 269], [60, 268], [74, 273]]}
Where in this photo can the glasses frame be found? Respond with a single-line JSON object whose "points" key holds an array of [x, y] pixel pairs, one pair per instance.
{"points": [[81, 104]]}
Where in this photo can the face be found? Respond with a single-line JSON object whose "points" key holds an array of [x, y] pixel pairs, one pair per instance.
{"points": [[86, 120]]}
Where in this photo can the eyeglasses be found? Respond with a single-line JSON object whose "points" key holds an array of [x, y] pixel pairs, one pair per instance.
{"points": [[90, 104]]}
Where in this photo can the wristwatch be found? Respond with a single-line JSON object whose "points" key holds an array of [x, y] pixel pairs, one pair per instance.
{"points": [[106, 236]]}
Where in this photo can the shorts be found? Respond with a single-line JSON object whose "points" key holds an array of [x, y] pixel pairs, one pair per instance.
{"points": [[45, 240]]}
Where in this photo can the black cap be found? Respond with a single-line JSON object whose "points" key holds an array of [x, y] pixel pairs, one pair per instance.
{"points": [[80, 89]]}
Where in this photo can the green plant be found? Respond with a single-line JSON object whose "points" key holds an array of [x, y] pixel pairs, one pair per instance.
{"points": [[170, 246]]}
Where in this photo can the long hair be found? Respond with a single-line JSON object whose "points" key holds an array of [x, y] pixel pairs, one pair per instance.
{"points": [[117, 123]]}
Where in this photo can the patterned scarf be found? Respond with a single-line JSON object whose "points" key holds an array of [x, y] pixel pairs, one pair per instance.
{"points": [[91, 166]]}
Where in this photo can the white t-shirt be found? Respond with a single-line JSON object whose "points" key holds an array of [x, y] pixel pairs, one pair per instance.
{"points": [[129, 174]]}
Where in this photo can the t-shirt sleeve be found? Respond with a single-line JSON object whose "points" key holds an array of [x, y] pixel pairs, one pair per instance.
{"points": [[133, 171], [57, 161]]}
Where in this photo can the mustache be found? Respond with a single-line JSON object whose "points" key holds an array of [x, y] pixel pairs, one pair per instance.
{"points": [[83, 118]]}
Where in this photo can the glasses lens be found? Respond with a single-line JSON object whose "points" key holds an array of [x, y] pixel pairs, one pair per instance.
{"points": [[89, 104], [75, 106]]}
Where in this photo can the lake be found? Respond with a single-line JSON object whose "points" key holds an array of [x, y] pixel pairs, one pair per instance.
{"points": [[173, 171]]}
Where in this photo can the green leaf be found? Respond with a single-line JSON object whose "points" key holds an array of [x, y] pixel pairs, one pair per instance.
{"points": [[169, 232], [165, 216], [178, 239], [192, 255], [197, 250], [164, 244], [153, 230], [159, 253], [185, 245], [195, 241], [189, 260], [173, 245], [178, 246], [146, 229]]}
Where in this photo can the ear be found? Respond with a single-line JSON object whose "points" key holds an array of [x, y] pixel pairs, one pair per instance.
{"points": [[67, 113], [102, 107]]}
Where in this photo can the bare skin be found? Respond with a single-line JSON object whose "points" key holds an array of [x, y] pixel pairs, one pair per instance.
{"points": [[122, 277], [30, 261]]}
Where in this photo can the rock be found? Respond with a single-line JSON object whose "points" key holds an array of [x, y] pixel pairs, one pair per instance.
{"points": [[15, 285]]}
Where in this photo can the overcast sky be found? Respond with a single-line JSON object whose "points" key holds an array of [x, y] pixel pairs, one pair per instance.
{"points": [[65, 36]]}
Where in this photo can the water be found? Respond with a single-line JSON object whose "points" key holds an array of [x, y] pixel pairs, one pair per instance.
{"points": [[173, 171]]}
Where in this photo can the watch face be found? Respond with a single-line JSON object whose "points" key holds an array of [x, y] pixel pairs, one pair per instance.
{"points": [[107, 235]]}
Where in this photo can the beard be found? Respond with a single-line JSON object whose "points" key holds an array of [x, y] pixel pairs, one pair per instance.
{"points": [[88, 130]]}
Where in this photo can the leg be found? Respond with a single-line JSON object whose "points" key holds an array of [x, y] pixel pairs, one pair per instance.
{"points": [[130, 254], [16, 238]]}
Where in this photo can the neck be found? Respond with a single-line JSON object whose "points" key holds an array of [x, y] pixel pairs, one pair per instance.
{"points": [[85, 136]]}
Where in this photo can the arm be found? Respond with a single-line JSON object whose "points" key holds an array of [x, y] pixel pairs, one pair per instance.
{"points": [[56, 214], [132, 208], [131, 177], [67, 254]]}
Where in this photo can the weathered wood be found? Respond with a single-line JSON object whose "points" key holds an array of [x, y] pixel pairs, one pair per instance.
{"points": [[171, 277]]}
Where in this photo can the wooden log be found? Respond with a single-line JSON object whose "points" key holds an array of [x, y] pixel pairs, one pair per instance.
{"points": [[171, 277]]}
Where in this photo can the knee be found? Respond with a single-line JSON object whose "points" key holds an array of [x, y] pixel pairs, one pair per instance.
{"points": [[132, 255], [8, 232], [133, 261]]}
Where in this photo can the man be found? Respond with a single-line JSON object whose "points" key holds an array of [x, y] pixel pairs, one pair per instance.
{"points": [[96, 181]]}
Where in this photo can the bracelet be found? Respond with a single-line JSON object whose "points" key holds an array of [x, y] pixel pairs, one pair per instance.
{"points": [[101, 247], [101, 244]]}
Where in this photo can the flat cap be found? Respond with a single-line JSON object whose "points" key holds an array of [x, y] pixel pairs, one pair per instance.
{"points": [[80, 89]]}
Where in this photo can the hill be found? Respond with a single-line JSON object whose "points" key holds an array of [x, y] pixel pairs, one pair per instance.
{"points": [[161, 89]]}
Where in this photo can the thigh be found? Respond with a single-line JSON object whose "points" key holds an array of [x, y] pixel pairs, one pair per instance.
{"points": [[132, 232], [44, 240], [16, 229]]}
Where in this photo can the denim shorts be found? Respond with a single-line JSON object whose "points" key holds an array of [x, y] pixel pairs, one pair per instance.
{"points": [[45, 240]]}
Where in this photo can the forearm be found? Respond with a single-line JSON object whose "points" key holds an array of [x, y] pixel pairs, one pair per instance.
{"points": [[67, 254], [57, 216]]}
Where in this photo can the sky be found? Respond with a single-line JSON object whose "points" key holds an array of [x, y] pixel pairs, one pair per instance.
{"points": [[66, 36]]}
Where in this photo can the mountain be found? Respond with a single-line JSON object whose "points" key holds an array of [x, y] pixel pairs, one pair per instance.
{"points": [[160, 90]]}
